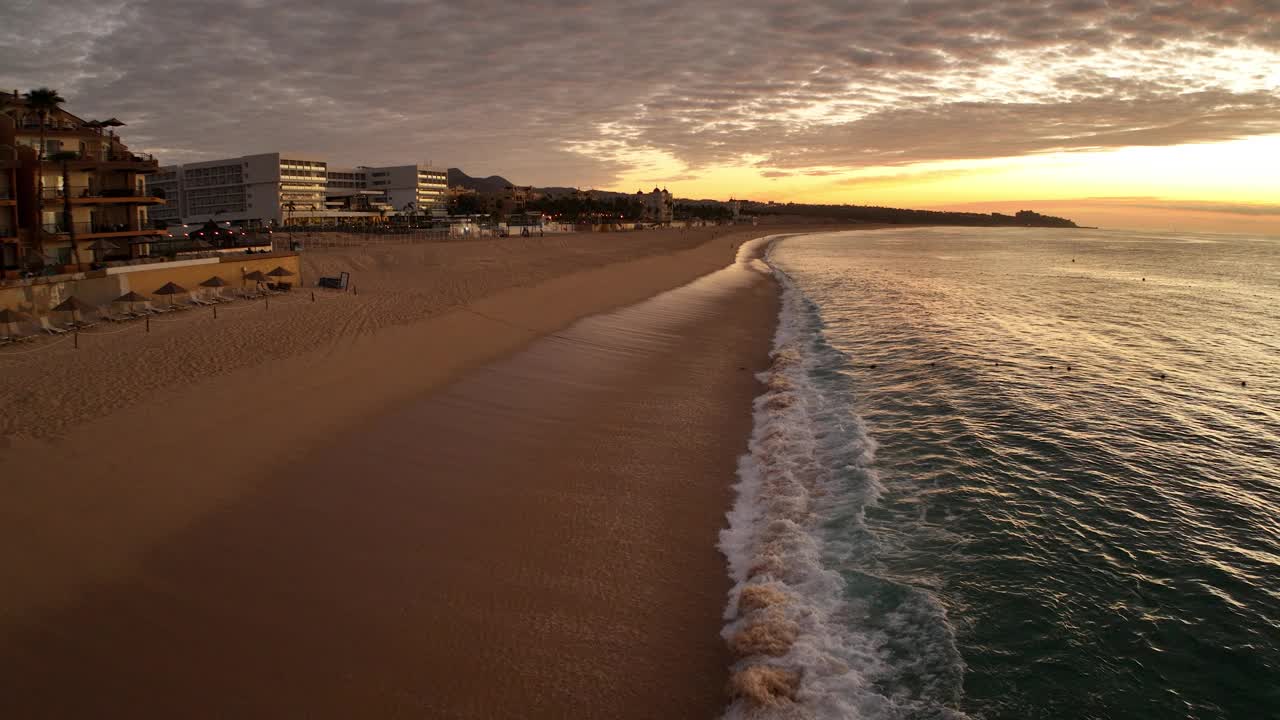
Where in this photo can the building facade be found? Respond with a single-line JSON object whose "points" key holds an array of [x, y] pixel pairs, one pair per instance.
{"points": [[659, 206], [287, 189], [164, 184], [411, 188], [80, 197], [266, 189]]}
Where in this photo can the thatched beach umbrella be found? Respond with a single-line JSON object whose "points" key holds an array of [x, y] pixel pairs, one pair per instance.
{"points": [[170, 289], [256, 276], [279, 272], [73, 305], [9, 320], [102, 246], [216, 284], [131, 298]]}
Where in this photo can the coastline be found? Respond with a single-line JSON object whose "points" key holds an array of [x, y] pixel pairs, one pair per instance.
{"points": [[281, 535]]}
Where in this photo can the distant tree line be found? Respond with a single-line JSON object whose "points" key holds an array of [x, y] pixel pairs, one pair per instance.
{"points": [[575, 208], [702, 211], [899, 216]]}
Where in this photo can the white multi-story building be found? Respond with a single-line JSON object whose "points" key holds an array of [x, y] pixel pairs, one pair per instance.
{"points": [[659, 206], [281, 189], [411, 188], [406, 188], [270, 188], [165, 184]]}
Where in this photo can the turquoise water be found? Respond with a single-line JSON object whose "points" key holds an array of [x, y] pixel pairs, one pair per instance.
{"points": [[1020, 474]]}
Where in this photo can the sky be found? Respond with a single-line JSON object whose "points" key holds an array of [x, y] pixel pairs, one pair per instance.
{"points": [[1161, 115]]}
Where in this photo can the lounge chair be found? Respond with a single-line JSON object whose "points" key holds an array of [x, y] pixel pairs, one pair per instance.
{"points": [[106, 314], [50, 329]]}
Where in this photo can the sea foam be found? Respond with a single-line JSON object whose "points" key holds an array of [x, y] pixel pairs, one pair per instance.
{"points": [[801, 647]]}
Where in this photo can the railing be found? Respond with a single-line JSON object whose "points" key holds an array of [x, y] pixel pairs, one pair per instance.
{"points": [[86, 228], [59, 127], [77, 156], [84, 191], [102, 227]]}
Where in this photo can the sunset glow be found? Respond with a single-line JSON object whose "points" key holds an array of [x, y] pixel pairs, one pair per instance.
{"points": [[1167, 111]]}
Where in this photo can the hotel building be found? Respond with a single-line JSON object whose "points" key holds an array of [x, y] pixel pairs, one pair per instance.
{"points": [[411, 188], [85, 189], [269, 188], [285, 189], [659, 206]]}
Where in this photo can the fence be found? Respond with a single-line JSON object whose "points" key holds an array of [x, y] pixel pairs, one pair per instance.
{"points": [[344, 239]]}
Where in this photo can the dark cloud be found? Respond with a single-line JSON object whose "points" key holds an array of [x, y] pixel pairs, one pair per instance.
{"points": [[572, 92]]}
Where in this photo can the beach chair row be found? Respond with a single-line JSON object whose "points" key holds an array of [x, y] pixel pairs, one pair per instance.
{"points": [[46, 327]]}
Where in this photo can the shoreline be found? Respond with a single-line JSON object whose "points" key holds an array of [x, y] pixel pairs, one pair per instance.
{"points": [[144, 564]]}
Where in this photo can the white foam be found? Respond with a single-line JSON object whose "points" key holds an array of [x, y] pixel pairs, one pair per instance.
{"points": [[787, 487]]}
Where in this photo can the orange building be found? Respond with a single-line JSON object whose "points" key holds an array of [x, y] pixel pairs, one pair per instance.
{"points": [[83, 200]]}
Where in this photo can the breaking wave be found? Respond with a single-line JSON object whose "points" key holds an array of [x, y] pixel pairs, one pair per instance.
{"points": [[816, 628]]}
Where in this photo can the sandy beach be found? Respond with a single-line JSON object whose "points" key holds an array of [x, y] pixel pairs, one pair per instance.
{"points": [[437, 496]]}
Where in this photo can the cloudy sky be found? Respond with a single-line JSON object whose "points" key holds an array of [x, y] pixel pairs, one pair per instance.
{"points": [[1158, 114]]}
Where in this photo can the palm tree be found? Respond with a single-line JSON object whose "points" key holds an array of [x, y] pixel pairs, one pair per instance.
{"points": [[44, 101]]}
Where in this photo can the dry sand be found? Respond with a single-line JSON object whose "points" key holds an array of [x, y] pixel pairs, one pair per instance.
{"points": [[271, 514]]}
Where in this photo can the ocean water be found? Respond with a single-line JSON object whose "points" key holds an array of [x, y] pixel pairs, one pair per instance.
{"points": [[1014, 474]]}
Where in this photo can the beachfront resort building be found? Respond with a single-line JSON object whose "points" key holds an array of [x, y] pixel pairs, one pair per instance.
{"points": [[659, 206], [409, 189], [268, 188], [290, 189], [71, 192]]}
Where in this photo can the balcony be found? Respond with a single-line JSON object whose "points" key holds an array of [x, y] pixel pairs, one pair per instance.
{"points": [[85, 195], [99, 229], [139, 162], [60, 129]]}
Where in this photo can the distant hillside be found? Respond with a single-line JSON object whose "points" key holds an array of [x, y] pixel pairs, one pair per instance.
{"points": [[497, 183], [491, 184], [860, 213], [601, 194]]}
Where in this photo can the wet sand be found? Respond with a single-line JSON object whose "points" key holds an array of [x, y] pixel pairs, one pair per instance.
{"points": [[535, 538]]}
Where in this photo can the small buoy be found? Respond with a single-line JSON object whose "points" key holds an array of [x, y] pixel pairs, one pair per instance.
{"points": [[1161, 376], [1073, 259], [1242, 383], [872, 366], [1144, 279], [1068, 368]]}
